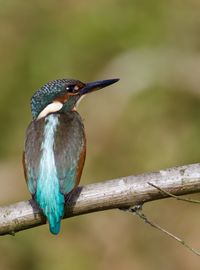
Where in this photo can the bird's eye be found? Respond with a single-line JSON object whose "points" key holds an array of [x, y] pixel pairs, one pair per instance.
{"points": [[72, 88]]}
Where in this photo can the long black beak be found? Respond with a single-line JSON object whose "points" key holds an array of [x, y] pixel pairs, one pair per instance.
{"points": [[93, 86]]}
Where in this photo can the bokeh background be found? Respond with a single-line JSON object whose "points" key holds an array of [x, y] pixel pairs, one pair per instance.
{"points": [[150, 120]]}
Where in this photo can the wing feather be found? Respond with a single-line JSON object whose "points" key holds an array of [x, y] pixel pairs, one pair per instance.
{"points": [[69, 150], [32, 153]]}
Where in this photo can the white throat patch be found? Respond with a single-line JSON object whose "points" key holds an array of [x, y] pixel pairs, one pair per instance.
{"points": [[51, 108], [80, 99]]}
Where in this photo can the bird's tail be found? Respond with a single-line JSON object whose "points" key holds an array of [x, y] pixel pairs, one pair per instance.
{"points": [[54, 223], [53, 208]]}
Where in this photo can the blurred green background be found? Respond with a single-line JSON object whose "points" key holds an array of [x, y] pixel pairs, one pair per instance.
{"points": [[146, 122]]}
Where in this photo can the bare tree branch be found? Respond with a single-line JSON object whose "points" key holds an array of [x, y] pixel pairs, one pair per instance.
{"points": [[137, 210], [118, 193]]}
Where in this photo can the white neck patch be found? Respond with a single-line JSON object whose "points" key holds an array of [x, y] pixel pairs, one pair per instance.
{"points": [[51, 108], [80, 99]]}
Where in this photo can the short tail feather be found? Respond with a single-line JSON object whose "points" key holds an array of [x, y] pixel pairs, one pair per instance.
{"points": [[53, 209], [54, 225]]}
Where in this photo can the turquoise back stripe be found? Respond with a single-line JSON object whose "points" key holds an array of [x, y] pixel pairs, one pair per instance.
{"points": [[48, 194]]}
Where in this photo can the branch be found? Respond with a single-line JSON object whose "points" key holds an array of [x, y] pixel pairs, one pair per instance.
{"points": [[138, 211], [118, 193]]}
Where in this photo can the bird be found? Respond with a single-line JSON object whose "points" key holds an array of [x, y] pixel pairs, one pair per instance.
{"points": [[55, 145]]}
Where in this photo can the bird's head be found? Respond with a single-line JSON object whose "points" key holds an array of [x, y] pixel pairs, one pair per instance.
{"points": [[62, 95]]}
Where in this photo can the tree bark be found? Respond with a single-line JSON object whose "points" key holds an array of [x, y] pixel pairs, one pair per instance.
{"points": [[118, 193]]}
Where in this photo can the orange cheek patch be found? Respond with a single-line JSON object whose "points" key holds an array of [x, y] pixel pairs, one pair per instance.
{"points": [[63, 98]]}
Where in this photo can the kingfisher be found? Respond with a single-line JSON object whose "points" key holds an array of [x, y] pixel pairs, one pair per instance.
{"points": [[55, 145]]}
